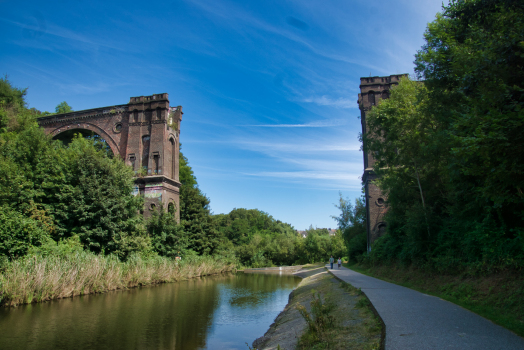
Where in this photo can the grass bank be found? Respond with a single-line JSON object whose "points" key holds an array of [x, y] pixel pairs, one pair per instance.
{"points": [[41, 278], [324, 313], [497, 296]]}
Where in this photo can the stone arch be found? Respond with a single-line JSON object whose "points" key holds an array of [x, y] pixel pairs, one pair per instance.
{"points": [[87, 126]]}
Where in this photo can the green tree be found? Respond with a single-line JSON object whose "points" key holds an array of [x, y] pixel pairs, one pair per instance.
{"points": [[19, 233], [258, 239], [319, 245], [167, 236], [14, 115], [473, 63], [63, 191], [195, 214], [96, 201], [186, 175], [408, 142], [197, 221], [448, 150], [352, 224], [63, 107]]}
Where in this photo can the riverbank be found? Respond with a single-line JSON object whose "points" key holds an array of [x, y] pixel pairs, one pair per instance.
{"points": [[497, 296], [41, 278], [354, 324]]}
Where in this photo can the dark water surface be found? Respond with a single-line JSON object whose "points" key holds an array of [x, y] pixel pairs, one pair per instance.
{"points": [[215, 312]]}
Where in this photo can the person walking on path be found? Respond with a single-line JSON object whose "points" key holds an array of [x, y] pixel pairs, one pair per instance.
{"points": [[331, 261], [339, 261]]}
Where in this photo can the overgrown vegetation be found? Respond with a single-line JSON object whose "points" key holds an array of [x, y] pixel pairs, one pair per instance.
{"points": [[339, 317], [352, 223], [259, 240], [449, 149], [78, 194], [66, 270], [318, 321]]}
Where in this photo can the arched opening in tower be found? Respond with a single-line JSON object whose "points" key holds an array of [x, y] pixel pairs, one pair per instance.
{"points": [[67, 137]]}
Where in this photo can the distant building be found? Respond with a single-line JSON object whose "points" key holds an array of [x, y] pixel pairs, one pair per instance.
{"points": [[331, 232], [303, 234]]}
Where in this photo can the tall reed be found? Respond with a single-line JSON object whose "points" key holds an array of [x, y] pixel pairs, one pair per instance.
{"points": [[40, 278]]}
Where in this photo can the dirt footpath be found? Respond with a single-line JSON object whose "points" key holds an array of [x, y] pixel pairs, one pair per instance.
{"points": [[355, 326]]}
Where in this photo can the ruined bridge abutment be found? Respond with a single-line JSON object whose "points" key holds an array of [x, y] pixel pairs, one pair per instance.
{"points": [[145, 134], [372, 90]]}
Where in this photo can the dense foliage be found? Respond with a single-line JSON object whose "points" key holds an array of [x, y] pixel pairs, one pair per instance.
{"points": [[63, 191], [72, 189], [352, 223], [260, 240], [450, 148]]}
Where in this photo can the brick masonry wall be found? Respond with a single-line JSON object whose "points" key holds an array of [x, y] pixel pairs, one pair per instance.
{"points": [[128, 130]]}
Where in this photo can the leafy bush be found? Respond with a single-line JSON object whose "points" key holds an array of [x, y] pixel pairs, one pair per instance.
{"points": [[18, 233], [167, 236]]}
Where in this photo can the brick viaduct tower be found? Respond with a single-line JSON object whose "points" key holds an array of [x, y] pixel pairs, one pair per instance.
{"points": [[372, 90], [145, 133]]}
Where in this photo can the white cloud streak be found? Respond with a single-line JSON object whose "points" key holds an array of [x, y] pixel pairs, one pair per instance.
{"points": [[318, 179], [67, 34], [326, 101], [236, 15], [298, 147], [319, 124]]}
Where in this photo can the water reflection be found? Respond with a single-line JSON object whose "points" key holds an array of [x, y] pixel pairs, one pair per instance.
{"points": [[217, 312]]}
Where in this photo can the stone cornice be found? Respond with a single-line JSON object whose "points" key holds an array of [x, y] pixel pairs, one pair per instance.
{"points": [[157, 179], [148, 123], [84, 114]]}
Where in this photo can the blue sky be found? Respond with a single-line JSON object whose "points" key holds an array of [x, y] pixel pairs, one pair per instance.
{"points": [[268, 88]]}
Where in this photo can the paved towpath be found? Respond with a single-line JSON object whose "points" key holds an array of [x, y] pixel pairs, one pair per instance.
{"points": [[419, 321]]}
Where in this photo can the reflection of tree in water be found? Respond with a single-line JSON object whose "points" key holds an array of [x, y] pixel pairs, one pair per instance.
{"points": [[252, 289], [196, 303], [175, 315], [67, 136], [170, 316]]}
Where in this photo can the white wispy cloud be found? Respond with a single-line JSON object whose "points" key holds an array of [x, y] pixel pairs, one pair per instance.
{"points": [[318, 179], [327, 101], [335, 165], [307, 175], [317, 124], [64, 33], [298, 147], [233, 15]]}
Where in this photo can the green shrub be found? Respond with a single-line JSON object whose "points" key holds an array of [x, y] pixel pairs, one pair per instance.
{"points": [[19, 233]]}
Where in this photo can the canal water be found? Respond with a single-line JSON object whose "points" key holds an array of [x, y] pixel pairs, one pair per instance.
{"points": [[214, 312]]}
